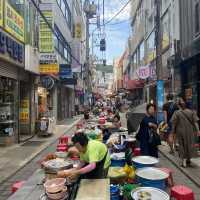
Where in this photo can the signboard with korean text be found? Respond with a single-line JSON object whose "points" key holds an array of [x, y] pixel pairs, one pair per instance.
{"points": [[11, 50], [48, 58], [14, 22], [1, 12], [46, 44], [65, 71], [24, 110], [145, 72], [78, 32], [49, 69]]}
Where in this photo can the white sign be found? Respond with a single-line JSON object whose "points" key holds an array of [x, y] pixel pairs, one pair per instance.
{"points": [[145, 72], [48, 58]]}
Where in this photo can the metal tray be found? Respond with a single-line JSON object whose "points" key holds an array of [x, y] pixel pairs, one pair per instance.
{"points": [[145, 160], [151, 173], [156, 194]]}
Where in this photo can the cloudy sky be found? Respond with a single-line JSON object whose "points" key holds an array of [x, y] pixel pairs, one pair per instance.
{"points": [[117, 31]]}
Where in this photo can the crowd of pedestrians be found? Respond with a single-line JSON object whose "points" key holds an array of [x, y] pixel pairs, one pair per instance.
{"points": [[181, 130]]}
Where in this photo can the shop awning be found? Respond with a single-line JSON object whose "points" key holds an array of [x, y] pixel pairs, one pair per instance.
{"points": [[135, 84]]}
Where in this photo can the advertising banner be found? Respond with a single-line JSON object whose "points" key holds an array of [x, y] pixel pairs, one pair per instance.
{"points": [[160, 100], [46, 44], [14, 23]]}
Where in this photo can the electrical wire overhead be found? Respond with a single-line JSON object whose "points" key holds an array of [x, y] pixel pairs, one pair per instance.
{"points": [[118, 13]]}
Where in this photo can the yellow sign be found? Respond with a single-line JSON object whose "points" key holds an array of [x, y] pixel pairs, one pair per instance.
{"points": [[46, 36], [14, 23], [165, 41], [150, 57], [78, 32], [24, 116], [24, 110], [49, 69], [1, 12]]}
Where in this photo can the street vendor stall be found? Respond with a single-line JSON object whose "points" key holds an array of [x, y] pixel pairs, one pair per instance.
{"points": [[99, 172]]}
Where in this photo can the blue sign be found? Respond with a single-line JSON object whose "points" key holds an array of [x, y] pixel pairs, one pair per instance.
{"points": [[160, 100], [11, 48], [65, 71], [47, 82], [70, 81]]}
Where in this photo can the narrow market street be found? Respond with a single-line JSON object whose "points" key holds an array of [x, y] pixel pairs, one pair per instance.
{"points": [[99, 99], [27, 171]]}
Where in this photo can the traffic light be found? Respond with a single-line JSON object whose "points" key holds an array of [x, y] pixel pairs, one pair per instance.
{"points": [[102, 45]]}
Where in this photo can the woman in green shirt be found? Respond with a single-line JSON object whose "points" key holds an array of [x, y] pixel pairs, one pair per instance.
{"points": [[94, 156]]}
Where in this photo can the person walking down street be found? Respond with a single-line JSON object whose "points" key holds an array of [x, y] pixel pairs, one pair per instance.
{"points": [[185, 126], [148, 124], [169, 108]]}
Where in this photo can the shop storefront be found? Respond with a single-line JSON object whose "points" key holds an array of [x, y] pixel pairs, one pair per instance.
{"points": [[11, 66], [190, 77], [8, 110]]}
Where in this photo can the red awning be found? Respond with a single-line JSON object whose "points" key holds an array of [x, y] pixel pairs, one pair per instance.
{"points": [[135, 84]]}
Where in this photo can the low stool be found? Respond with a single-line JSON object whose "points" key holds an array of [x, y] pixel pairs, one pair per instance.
{"points": [[16, 186], [181, 192]]}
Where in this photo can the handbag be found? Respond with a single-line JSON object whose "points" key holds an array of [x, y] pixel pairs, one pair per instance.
{"points": [[154, 138], [190, 121]]}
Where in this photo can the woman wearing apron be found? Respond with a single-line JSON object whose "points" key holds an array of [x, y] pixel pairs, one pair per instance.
{"points": [[94, 157]]}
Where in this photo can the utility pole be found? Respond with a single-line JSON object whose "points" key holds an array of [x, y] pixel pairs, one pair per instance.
{"points": [[158, 39], [159, 67]]}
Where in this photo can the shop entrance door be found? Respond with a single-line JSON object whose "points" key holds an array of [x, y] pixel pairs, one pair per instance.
{"points": [[25, 112]]}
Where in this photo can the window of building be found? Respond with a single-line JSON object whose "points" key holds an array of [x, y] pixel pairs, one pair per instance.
{"points": [[61, 45], [18, 5], [142, 53], [66, 11], [197, 18]]}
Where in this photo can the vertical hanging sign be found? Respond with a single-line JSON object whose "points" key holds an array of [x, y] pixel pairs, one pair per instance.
{"points": [[160, 99], [1, 13], [45, 35]]}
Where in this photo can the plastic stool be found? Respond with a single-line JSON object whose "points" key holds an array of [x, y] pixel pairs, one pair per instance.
{"points": [[181, 192], [136, 152], [16, 186], [62, 148], [170, 180], [63, 140]]}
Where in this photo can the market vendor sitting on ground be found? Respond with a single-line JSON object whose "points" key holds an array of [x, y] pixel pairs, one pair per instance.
{"points": [[94, 156]]}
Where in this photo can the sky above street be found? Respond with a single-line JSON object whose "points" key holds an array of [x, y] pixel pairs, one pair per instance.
{"points": [[117, 31]]}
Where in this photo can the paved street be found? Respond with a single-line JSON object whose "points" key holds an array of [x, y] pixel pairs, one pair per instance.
{"points": [[25, 172], [16, 159], [188, 177]]}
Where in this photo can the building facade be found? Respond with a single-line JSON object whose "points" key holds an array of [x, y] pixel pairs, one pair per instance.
{"points": [[187, 57], [18, 71], [142, 47], [37, 72]]}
